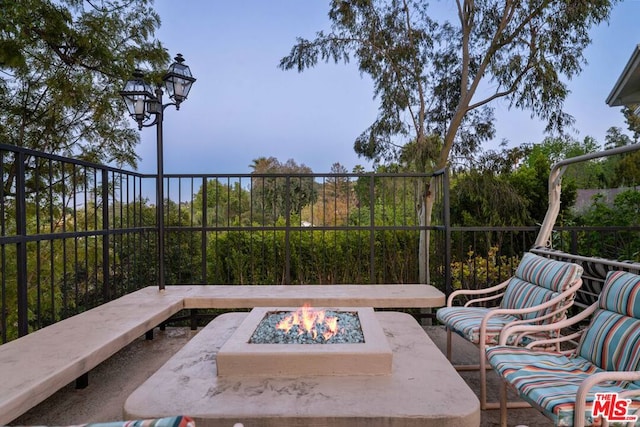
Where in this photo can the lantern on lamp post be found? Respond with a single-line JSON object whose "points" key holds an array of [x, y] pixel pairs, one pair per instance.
{"points": [[142, 102]]}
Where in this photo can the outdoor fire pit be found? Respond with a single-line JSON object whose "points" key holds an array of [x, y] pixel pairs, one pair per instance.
{"points": [[306, 341]]}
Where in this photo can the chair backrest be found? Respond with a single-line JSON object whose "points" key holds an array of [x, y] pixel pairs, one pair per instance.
{"points": [[612, 339], [538, 280], [595, 271]]}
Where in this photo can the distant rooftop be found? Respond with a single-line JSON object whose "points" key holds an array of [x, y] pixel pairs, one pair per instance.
{"points": [[627, 89]]}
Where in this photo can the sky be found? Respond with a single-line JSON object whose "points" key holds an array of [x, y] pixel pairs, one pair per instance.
{"points": [[243, 106]]}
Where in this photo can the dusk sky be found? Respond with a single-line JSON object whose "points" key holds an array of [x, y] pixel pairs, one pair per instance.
{"points": [[242, 106]]}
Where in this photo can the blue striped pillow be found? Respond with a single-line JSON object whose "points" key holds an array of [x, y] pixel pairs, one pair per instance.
{"points": [[612, 340], [621, 293], [522, 294], [548, 273]]}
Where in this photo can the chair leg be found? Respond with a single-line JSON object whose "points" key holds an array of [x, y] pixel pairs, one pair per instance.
{"points": [[448, 344], [503, 403], [484, 405], [483, 377]]}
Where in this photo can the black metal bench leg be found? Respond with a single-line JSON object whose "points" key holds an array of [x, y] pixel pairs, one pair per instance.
{"points": [[149, 335], [82, 381], [194, 319]]}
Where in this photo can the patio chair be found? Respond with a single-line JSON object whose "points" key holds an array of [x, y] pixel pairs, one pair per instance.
{"points": [[540, 292], [606, 360]]}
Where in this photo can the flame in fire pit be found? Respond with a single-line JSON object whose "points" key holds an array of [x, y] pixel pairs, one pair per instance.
{"points": [[307, 320]]}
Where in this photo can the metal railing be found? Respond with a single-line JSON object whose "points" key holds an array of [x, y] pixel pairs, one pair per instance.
{"points": [[63, 226], [74, 234], [298, 228]]}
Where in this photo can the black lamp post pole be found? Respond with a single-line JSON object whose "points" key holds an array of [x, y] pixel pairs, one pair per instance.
{"points": [[160, 189], [141, 104]]}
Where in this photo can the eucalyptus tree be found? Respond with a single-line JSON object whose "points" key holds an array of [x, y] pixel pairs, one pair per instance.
{"points": [[436, 80]]}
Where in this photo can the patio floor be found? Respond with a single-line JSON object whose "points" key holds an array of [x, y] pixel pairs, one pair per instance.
{"points": [[113, 381]]}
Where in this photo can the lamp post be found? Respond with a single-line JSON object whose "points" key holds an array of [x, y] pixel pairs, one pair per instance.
{"points": [[142, 102]]}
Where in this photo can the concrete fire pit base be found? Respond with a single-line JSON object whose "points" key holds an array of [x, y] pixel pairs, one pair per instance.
{"points": [[423, 389], [238, 357]]}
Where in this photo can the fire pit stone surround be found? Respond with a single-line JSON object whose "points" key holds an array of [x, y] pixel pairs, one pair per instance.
{"points": [[239, 357]]}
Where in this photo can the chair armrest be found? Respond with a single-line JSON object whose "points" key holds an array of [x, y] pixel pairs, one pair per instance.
{"points": [[552, 302], [593, 380], [486, 291], [528, 328]]}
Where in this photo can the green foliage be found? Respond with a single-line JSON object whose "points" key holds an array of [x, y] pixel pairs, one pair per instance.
{"points": [[621, 243], [226, 205], [480, 272], [633, 120], [482, 198], [316, 257], [532, 177], [62, 65], [426, 73], [276, 193]]}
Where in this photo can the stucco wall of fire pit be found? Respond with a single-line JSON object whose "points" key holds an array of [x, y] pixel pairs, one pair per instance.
{"points": [[239, 357]]}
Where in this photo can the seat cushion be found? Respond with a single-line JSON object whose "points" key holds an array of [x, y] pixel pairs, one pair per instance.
{"points": [[179, 421], [550, 274], [621, 293], [536, 281], [550, 380], [612, 340], [465, 321], [521, 294]]}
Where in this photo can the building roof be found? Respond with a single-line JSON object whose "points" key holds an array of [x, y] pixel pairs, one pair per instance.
{"points": [[627, 89]]}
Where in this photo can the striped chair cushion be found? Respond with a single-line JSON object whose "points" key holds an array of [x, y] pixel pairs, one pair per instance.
{"points": [[550, 380], [621, 293], [536, 281], [550, 274], [612, 340], [465, 321], [521, 294], [179, 421]]}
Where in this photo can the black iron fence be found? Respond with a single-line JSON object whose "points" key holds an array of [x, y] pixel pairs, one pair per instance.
{"points": [[301, 228], [74, 235], [64, 227]]}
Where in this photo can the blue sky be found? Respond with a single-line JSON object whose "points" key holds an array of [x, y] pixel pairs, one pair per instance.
{"points": [[242, 106]]}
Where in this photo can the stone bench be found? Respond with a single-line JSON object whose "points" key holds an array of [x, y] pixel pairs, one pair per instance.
{"points": [[35, 366]]}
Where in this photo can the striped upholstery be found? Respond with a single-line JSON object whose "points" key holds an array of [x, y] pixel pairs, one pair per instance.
{"points": [[537, 280], [466, 322], [550, 274], [549, 380], [621, 294], [611, 342], [179, 421]]}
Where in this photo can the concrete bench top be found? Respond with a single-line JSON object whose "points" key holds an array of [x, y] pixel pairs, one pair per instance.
{"points": [[35, 366]]}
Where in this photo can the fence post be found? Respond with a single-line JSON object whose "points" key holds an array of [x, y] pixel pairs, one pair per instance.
{"points": [[21, 246], [287, 248], [448, 288], [574, 241], [203, 241], [372, 230], [105, 237]]}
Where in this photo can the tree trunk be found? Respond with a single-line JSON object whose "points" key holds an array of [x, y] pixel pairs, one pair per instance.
{"points": [[424, 213]]}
